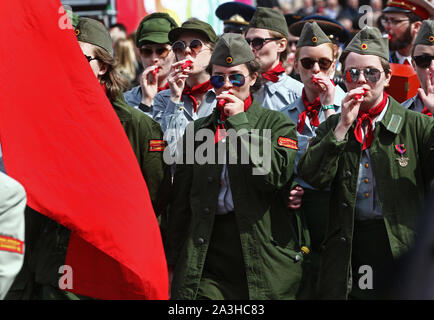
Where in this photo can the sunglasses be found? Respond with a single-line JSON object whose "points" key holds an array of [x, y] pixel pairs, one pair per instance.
{"points": [[370, 74], [423, 61], [237, 80], [162, 52], [258, 43], [89, 58], [308, 63], [180, 46], [385, 21]]}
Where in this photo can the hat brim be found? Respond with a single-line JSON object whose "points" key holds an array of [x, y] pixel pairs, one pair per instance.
{"points": [[155, 37], [175, 33], [228, 9], [395, 10], [326, 26]]}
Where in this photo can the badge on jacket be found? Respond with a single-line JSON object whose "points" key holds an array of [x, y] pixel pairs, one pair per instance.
{"points": [[157, 145], [287, 143], [403, 161]]}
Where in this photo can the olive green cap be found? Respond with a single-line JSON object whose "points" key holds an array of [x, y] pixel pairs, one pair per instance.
{"points": [[269, 19], [74, 18], [369, 41], [312, 36], [155, 28], [94, 32], [194, 25], [231, 50], [425, 35]]}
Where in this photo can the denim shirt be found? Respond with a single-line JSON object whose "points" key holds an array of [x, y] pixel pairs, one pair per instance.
{"points": [[134, 98], [293, 111], [277, 95], [414, 104], [174, 118]]}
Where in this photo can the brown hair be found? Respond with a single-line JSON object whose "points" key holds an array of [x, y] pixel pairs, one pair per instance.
{"points": [[384, 63], [114, 82]]}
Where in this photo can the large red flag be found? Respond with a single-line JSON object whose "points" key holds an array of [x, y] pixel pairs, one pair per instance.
{"points": [[63, 141]]}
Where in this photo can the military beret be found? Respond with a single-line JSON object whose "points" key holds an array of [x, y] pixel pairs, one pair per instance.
{"points": [[231, 50], [94, 32], [194, 25], [425, 35], [422, 8], [155, 28], [312, 36], [269, 19], [369, 41]]}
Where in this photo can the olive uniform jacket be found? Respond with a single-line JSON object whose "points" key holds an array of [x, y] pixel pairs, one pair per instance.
{"points": [[401, 189], [270, 233]]}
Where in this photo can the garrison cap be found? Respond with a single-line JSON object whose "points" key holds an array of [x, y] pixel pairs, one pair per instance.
{"points": [[269, 19], [94, 32], [312, 36], [155, 28], [425, 36], [231, 50], [369, 41], [332, 28], [422, 8], [194, 25]]}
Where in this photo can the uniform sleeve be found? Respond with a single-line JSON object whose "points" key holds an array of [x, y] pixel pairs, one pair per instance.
{"points": [[180, 210], [428, 150], [12, 204], [318, 165], [271, 151]]}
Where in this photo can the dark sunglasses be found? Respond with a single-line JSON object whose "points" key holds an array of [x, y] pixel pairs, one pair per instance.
{"points": [[237, 80], [370, 74], [89, 58], [258, 43], [423, 61], [308, 63], [180, 46], [162, 52]]}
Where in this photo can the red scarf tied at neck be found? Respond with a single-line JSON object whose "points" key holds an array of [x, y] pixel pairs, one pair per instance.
{"points": [[220, 133], [197, 89], [273, 74], [312, 111], [368, 116], [165, 87]]}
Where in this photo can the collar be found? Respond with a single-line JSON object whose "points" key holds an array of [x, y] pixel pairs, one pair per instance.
{"points": [[272, 87], [394, 117], [401, 58]]}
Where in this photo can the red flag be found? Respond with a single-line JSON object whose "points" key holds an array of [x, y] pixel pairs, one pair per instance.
{"points": [[63, 141]]}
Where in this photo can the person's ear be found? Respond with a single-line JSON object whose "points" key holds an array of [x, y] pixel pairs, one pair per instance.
{"points": [[102, 69], [282, 44], [253, 78]]}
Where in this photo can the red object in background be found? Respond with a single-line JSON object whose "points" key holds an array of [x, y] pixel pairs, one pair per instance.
{"points": [[404, 82], [62, 140], [130, 13]]}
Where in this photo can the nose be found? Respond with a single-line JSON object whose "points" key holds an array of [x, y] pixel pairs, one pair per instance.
{"points": [[227, 84], [316, 69], [362, 78]]}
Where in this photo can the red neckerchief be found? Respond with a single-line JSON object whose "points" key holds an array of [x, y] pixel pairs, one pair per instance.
{"points": [[368, 116], [312, 110], [427, 112], [197, 89], [273, 74], [165, 87], [220, 133]]}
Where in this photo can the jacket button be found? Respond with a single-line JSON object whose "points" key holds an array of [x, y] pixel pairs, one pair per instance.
{"points": [[345, 205], [200, 240], [206, 210], [297, 258], [348, 174], [210, 179], [343, 239]]}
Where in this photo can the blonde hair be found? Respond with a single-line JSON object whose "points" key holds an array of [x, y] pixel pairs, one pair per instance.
{"points": [[125, 58]]}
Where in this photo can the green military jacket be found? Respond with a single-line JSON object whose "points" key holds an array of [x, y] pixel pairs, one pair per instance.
{"points": [[270, 234], [401, 190], [146, 138]]}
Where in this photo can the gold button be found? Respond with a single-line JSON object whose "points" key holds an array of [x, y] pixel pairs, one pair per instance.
{"points": [[367, 195], [366, 180], [305, 250], [366, 165]]}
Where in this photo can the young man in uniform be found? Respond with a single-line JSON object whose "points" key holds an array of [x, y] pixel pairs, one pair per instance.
{"points": [[401, 21], [156, 56], [268, 37], [378, 158], [230, 233], [422, 60]]}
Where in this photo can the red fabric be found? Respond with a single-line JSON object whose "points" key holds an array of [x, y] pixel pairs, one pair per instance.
{"points": [[163, 87], [312, 111], [220, 132], [197, 89], [427, 112], [368, 116], [273, 74], [62, 139], [406, 62]]}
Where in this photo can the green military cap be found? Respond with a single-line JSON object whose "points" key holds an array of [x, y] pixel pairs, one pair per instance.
{"points": [[231, 50], [369, 41], [74, 18], [425, 35], [155, 28], [312, 36], [269, 19], [194, 25], [94, 32]]}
